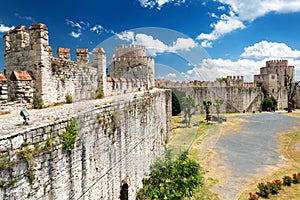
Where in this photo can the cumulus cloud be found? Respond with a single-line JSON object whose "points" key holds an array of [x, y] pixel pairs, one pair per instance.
{"points": [[126, 36], [4, 28], [209, 69], [240, 12], [171, 76], [225, 25], [154, 45], [265, 49], [159, 3]]}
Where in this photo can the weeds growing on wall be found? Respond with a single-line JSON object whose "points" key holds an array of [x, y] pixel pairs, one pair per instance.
{"points": [[69, 98], [37, 103], [99, 94], [69, 135]]}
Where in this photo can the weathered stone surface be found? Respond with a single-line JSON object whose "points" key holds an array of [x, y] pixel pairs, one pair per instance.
{"points": [[117, 142]]}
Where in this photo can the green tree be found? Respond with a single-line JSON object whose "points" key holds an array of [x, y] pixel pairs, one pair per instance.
{"points": [[176, 96], [188, 105], [207, 105], [172, 180], [269, 103], [217, 104], [291, 87]]}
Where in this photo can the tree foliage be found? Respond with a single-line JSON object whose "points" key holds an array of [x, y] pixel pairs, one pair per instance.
{"points": [[188, 105], [176, 97], [269, 103], [217, 104], [172, 180], [207, 105]]}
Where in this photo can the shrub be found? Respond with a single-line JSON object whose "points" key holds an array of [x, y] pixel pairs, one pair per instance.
{"points": [[274, 187], [269, 103], [99, 94], [264, 190], [37, 103], [69, 98], [287, 180], [69, 135], [172, 180], [296, 178], [253, 196]]}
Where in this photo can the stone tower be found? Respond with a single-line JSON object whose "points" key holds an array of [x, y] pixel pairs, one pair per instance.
{"points": [[272, 79], [30, 52], [131, 62], [99, 61]]}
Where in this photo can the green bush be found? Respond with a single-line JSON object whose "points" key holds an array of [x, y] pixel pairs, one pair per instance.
{"points": [[269, 103], [38, 103], [69, 135], [264, 190], [172, 180], [99, 94], [69, 98], [287, 180]]}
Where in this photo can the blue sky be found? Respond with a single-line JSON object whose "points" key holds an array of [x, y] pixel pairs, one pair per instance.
{"points": [[190, 39]]}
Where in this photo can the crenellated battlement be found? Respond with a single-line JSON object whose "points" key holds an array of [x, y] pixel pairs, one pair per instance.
{"points": [[141, 59], [272, 63], [131, 50], [238, 78]]}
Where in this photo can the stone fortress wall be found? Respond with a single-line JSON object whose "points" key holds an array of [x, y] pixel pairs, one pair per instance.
{"points": [[242, 96], [52, 79], [116, 144]]}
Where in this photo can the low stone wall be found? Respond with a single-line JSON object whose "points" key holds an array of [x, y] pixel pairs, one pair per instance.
{"points": [[116, 144]]}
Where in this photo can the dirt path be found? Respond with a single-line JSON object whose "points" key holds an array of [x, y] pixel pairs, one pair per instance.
{"points": [[246, 149]]}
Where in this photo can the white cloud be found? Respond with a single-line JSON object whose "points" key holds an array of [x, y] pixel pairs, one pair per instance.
{"points": [[159, 3], [171, 76], [155, 46], [265, 49], [210, 69], [224, 26], [97, 29], [242, 11], [75, 35], [75, 24], [4, 28], [251, 9], [126, 36]]}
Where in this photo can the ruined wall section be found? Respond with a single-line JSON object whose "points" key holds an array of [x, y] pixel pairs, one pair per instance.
{"points": [[116, 144]]}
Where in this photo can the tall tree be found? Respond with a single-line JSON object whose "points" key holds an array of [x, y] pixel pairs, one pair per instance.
{"points": [[218, 103], [207, 105], [291, 87], [188, 105], [176, 97]]}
